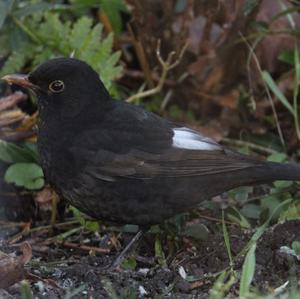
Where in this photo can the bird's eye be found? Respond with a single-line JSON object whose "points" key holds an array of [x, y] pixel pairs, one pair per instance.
{"points": [[57, 86]]}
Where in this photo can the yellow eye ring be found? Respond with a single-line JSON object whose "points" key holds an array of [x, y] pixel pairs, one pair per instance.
{"points": [[57, 86]]}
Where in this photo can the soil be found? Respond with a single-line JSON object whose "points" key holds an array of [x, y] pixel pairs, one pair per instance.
{"points": [[188, 270]]}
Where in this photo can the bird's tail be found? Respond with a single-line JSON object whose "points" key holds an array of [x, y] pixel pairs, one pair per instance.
{"points": [[271, 171]]}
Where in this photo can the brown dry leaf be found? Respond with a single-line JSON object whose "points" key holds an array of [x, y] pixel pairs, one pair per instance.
{"points": [[229, 100], [10, 117], [274, 44], [26, 253], [28, 123], [197, 36], [197, 284], [212, 132], [11, 100], [286, 84], [12, 268], [44, 196]]}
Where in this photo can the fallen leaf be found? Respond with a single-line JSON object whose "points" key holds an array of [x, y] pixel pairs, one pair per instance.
{"points": [[44, 196], [12, 268]]}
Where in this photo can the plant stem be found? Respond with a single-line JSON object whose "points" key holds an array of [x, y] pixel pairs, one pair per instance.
{"points": [[27, 31]]}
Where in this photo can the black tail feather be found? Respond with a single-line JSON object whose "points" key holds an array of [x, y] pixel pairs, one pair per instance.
{"points": [[271, 171]]}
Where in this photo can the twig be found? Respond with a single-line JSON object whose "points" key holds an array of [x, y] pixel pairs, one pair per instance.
{"points": [[169, 94], [102, 17], [85, 247], [28, 31], [136, 74], [61, 237], [24, 233], [210, 218], [253, 146], [54, 202], [251, 49], [166, 65], [141, 57], [8, 224]]}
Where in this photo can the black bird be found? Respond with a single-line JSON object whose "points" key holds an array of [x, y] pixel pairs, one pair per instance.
{"points": [[118, 162]]}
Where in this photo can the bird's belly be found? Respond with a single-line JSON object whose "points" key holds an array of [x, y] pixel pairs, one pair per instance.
{"points": [[132, 201]]}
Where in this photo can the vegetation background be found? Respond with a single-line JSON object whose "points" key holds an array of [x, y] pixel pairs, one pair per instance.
{"points": [[231, 70]]}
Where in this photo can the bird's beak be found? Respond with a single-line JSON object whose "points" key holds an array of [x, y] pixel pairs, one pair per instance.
{"points": [[21, 80]]}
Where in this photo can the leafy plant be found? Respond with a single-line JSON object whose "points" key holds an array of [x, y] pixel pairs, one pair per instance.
{"points": [[24, 170], [89, 225], [47, 35], [28, 175], [35, 32], [248, 271], [111, 8]]}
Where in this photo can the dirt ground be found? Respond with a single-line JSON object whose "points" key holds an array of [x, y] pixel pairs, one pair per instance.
{"points": [[188, 270]]}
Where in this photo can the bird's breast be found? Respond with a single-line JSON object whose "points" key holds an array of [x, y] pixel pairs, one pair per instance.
{"points": [[53, 144]]}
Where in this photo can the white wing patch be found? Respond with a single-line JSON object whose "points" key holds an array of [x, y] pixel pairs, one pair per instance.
{"points": [[189, 139]]}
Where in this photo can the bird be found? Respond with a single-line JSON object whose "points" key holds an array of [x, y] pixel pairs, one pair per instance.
{"points": [[118, 162]]}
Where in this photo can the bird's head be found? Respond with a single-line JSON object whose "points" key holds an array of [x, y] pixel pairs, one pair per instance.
{"points": [[63, 85]]}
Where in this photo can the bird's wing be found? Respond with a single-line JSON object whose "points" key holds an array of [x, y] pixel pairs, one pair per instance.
{"points": [[134, 143]]}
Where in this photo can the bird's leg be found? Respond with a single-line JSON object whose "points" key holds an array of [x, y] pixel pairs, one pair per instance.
{"points": [[117, 262]]}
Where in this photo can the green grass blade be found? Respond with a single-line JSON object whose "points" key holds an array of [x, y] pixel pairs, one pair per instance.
{"points": [[272, 85], [296, 89], [248, 271], [226, 240]]}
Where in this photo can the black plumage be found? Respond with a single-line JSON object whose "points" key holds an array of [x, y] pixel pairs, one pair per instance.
{"points": [[119, 162]]}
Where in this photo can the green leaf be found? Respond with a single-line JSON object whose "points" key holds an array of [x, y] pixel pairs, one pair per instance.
{"points": [[78, 215], [113, 9], [92, 226], [261, 25], [296, 247], [277, 157], [26, 291], [259, 232], [42, 36], [292, 213], [278, 93], [249, 6], [251, 211], [109, 288], [15, 62], [5, 7], [270, 202], [297, 69], [79, 34], [248, 271], [85, 3], [180, 6], [239, 219], [74, 293], [11, 153], [288, 56], [32, 8], [159, 253], [130, 228], [27, 175], [227, 239], [197, 231], [282, 184], [129, 264]]}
